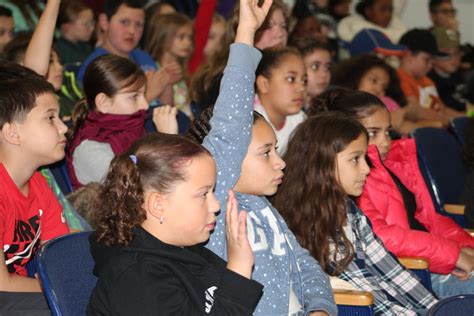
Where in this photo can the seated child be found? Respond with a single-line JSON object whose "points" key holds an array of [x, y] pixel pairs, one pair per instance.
{"points": [[326, 167], [281, 85], [446, 72], [317, 59], [157, 208], [121, 24], [76, 23], [32, 135], [418, 88], [398, 204], [109, 120]]}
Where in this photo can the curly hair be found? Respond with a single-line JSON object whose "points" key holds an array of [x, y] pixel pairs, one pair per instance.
{"points": [[311, 199], [159, 166], [349, 73]]}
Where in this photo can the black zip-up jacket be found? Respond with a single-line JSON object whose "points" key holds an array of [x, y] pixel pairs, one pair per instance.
{"points": [[149, 277]]}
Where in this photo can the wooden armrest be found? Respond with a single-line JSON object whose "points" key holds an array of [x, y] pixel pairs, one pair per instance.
{"points": [[470, 231], [417, 263], [353, 298], [457, 209]]}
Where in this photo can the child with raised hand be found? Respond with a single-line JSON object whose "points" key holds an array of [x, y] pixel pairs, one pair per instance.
{"points": [[398, 203], [157, 208], [243, 145], [281, 86], [109, 119], [326, 167], [32, 135]]}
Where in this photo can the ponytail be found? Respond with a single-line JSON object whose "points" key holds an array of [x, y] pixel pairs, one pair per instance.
{"points": [[154, 162], [79, 115], [122, 200]]}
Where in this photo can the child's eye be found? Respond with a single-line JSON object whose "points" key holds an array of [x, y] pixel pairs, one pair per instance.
{"points": [[355, 160], [290, 79], [305, 81], [372, 134], [266, 154], [125, 22], [315, 66]]}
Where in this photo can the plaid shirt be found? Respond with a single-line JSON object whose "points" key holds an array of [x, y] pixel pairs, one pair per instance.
{"points": [[396, 290]]}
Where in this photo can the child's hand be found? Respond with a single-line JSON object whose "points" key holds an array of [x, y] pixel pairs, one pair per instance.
{"points": [[164, 118], [239, 253], [156, 82], [174, 71], [251, 17], [464, 266]]}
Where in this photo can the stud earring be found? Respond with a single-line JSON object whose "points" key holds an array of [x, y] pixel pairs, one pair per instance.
{"points": [[161, 219]]}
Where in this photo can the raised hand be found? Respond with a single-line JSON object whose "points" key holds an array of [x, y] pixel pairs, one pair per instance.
{"points": [[239, 253], [164, 119], [251, 17]]}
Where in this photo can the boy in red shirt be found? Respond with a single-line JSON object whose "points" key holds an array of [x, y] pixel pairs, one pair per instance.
{"points": [[32, 135], [418, 88]]}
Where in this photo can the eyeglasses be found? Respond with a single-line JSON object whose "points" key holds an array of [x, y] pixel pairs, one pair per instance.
{"points": [[447, 11], [88, 24]]}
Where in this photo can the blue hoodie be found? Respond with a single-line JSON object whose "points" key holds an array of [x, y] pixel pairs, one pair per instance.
{"points": [[281, 264]]}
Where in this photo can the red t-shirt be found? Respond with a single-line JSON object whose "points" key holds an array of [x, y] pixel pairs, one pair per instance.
{"points": [[25, 220]]}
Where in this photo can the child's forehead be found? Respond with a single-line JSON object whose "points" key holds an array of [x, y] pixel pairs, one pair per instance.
{"points": [[46, 102], [130, 12]]}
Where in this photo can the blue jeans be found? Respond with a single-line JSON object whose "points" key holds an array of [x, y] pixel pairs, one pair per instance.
{"points": [[448, 285]]}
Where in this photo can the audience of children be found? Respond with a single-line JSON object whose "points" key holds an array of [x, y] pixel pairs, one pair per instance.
{"points": [[76, 23], [240, 151], [314, 199], [281, 85]]}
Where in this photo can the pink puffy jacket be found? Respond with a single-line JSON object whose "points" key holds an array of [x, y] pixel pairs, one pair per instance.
{"points": [[382, 203]]}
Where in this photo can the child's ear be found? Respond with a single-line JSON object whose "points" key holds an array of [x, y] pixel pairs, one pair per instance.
{"points": [[103, 102], [103, 22], [262, 84], [11, 133], [155, 205]]}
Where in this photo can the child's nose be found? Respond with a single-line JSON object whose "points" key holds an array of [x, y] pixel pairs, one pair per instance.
{"points": [[280, 164], [214, 205], [365, 169], [62, 128]]}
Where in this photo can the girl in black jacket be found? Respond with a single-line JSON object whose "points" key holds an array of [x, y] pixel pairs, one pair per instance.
{"points": [[157, 208]]}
